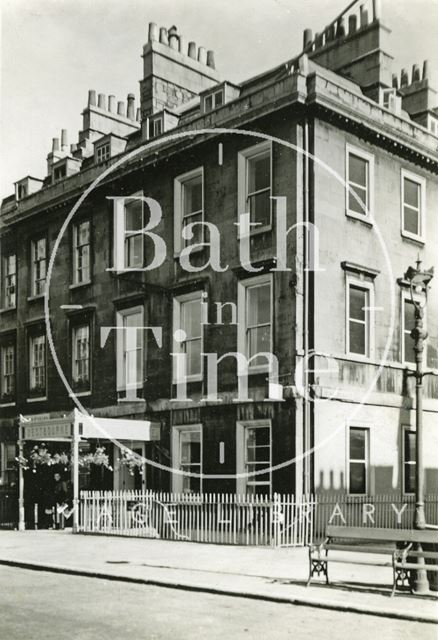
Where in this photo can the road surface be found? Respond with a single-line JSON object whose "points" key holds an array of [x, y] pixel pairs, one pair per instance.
{"points": [[38, 605]]}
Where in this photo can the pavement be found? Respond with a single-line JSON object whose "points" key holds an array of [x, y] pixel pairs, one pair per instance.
{"points": [[262, 573]]}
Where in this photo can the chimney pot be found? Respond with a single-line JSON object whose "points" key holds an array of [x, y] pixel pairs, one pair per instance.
{"points": [[183, 45], [210, 59], [91, 98], [395, 81], [163, 35], [55, 144], [101, 101], [376, 9], [340, 28], [425, 69], [192, 50], [73, 148], [404, 79], [111, 103], [138, 114], [130, 111], [64, 144], [319, 40], [202, 55], [416, 73], [153, 32], [352, 23], [173, 38], [307, 38], [121, 108], [363, 16], [329, 33]]}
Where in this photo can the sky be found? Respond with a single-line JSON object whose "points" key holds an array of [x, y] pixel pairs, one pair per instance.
{"points": [[53, 51]]}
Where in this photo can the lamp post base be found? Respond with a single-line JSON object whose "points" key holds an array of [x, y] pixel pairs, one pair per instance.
{"points": [[420, 583]]}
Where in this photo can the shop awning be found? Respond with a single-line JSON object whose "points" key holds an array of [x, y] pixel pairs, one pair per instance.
{"points": [[46, 428]]}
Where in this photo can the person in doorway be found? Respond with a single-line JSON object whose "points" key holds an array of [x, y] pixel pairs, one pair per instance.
{"points": [[60, 493]]}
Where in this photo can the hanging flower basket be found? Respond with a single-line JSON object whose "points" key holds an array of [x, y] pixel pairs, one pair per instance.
{"points": [[98, 458], [40, 456], [130, 460]]}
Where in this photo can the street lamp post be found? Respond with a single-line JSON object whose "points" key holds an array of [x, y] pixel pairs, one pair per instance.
{"points": [[418, 283]]}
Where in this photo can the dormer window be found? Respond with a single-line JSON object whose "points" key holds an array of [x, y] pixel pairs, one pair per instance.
{"points": [[213, 100], [103, 152], [59, 173], [390, 100], [22, 191], [157, 126]]}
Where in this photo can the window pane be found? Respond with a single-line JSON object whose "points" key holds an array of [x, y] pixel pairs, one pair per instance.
{"points": [[358, 300], [409, 349], [353, 204], [357, 444], [193, 350], [259, 172], [260, 208], [133, 215], [134, 251], [411, 221], [409, 446], [409, 311], [218, 98], [357, 477], [357, 170], [259, 340], [192, 195], [411, 193], [357, 338], [409, 478], [191, 318], [259, 305]]}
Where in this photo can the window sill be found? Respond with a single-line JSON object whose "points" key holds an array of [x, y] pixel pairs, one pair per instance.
{"points": [[80, 394], [367, 220], [6, 309], [357, 357], [40, 296], [39, 399], [78, 285], [412, 237], [197, 378], [8, 404], [194, 249]]}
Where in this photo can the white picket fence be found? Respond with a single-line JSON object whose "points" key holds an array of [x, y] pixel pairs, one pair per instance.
{"points": [[281, 520]]}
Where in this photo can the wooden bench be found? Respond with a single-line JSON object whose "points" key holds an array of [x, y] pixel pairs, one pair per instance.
{"points": [[375, 541]]}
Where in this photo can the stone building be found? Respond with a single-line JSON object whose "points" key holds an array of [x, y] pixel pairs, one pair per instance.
{"points": [[333, 157]]}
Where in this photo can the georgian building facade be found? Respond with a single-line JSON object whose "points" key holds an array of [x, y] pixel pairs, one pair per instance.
{"points": [[334, 160]]}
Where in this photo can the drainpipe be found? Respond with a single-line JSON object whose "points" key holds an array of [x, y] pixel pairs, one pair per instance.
{"points": [[308, 278]]}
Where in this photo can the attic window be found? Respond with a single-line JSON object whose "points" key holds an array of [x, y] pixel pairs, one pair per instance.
{"points": [[157, 126], [103, 152], [213, 101], [59, 173], [390, 100], [22, 191]]}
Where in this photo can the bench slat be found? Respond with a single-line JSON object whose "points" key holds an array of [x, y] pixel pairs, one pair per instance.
{"points": [[411, 565], [345, 547], [388, 535]]}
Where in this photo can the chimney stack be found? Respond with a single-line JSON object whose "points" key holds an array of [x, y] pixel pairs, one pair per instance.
{"points": [[101, 101], [130, 111], [91, 98], [112, 103], [64, 145]]}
